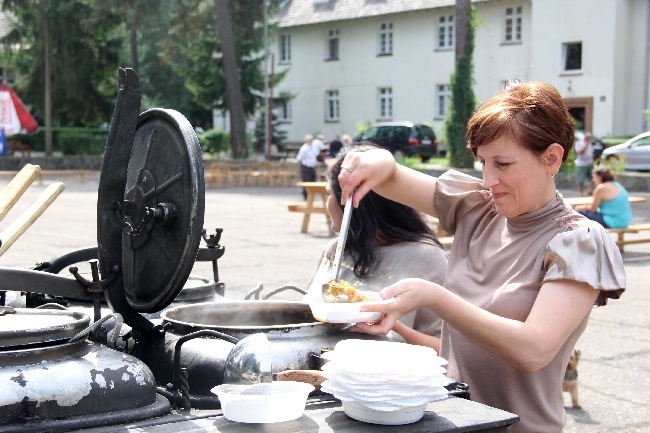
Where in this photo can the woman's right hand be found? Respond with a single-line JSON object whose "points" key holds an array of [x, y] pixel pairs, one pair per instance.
{"points": [[363, 171]]}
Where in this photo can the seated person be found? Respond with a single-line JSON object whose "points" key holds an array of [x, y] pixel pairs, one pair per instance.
{"points": [[610, 204], [386, 242]]}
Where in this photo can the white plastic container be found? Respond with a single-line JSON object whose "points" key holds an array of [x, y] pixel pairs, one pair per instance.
{"points": [[265, 402], [407, 415]]}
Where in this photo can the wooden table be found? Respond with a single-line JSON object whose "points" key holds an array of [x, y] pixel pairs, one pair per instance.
{"points": [[325, 414], [311, 205], [582, 201]]}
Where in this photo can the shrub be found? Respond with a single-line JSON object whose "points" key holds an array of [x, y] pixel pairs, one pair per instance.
{"points": [[214, 141]]}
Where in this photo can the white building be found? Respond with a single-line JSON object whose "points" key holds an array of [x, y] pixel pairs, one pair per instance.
{"points": [[353, 62]]}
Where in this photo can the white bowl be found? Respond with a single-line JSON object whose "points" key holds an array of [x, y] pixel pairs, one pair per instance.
{"points": [[344, 312], [402, 416], [263, 402]]}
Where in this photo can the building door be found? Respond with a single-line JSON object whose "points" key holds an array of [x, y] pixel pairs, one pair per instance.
{"points": [[582, 110]]}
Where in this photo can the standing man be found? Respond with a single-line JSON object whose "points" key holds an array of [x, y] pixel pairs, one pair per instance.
{"points": [[584, 163], [319, 147], [307, 160]]}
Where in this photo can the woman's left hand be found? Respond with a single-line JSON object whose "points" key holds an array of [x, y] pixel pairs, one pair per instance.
{"points": [[409, 294]]}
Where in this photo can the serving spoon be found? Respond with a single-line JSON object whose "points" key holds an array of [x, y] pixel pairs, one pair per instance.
{"points": [[340, 247]]}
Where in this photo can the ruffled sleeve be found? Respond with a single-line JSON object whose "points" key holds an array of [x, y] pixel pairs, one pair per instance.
{"points": [[456, 194], [586, 253]]}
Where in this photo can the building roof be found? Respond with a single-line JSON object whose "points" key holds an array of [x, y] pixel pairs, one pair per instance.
{"points": [[303, 12]]}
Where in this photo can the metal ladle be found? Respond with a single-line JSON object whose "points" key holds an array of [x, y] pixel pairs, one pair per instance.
{"points": [[340, 248]]}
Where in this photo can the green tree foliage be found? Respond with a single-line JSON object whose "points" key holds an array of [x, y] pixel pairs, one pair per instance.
{"points": [[463, 100], [277, 135], [85, 50], [146, 26]]}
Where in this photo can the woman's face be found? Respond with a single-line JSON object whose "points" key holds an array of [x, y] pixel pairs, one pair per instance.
{"points": [[518, 179], [597, 179], [335, 211]]}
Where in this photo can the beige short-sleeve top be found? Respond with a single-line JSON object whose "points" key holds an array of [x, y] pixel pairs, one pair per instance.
{"points": [[500, 264]]}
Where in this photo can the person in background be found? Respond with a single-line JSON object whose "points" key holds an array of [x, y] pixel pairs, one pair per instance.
{"points": [[335, 147], [584, 163], [307, 161], [384, 238], [319, 147], [610, 204], [346, 140], [525, 269]]}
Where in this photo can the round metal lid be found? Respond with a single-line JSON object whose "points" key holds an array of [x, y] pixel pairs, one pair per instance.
{"points": [[158, 220], [163, 209], [29, 326]]}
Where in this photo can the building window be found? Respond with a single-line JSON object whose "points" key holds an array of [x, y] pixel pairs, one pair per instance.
{"points": [[385, 103], [333, 44], [443, 98], [446, 32], [284, 107], [512, 25], [285, 48], [572, 57], [385, 39], [332, 112]]}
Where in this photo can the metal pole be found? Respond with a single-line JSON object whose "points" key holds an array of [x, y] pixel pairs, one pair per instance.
{"points": [[267, 138]]}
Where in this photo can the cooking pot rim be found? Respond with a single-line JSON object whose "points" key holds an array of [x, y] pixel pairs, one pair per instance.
{"points": [[165, 316]]}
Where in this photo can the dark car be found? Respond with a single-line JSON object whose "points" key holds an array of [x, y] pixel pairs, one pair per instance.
{"points": [[597, 146], [402, 138]]}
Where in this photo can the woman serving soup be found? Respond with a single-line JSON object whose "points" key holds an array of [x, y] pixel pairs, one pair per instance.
{"points": [[524, 270]]}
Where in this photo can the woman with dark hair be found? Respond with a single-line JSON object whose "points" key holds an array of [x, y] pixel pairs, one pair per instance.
{"points": [[525, 270], [384, 237], [610, 205]]}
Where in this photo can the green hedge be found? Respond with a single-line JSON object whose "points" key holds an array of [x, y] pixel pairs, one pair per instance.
{"points": [[70, 141]]}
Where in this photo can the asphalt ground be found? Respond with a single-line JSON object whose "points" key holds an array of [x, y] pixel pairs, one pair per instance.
{"points": [[263, 245]]}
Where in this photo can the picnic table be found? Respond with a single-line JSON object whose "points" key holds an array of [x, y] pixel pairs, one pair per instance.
{"points": [[619, 234], [311, 205], [581, 201]]}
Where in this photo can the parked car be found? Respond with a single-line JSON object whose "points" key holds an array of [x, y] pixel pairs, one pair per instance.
{"points": [[597, 146], [402, 139], [635, 152]]}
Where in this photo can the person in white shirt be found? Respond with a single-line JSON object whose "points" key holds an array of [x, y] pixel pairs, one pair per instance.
{"points": [[307, 160], [584, 163]]}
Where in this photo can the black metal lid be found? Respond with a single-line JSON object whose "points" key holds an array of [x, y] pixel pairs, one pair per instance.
{"points": [[20, 327], [152, 230]]}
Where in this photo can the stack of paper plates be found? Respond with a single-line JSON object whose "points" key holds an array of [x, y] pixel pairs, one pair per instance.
{"points": [[384, 382]]}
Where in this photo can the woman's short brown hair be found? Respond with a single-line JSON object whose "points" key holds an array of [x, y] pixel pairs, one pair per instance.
{"points": [[532, 113], [605, 174]]}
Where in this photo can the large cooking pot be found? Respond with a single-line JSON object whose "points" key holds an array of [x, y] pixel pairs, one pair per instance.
{"points": [[296, 340]]}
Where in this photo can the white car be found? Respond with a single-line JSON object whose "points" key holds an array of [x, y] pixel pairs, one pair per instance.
{"points": [[635, 152]]}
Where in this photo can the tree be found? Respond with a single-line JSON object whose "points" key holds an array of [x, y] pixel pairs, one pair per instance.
{"points": [[277, 134], [196, 45], [231, 74], [463, 101], [83, 47]]}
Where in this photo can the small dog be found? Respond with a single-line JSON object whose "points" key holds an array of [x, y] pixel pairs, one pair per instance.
{"points": [[570, 382]]}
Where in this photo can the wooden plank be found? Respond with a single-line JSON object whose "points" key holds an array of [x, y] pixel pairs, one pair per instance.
{"points": [[17, 187], [29, 216]]}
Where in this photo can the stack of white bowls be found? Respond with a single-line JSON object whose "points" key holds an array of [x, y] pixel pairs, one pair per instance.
{"points": [[383, 382]]}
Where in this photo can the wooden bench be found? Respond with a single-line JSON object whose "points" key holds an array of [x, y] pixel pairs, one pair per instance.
{"points": [[621, 241], [81, 173]]}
